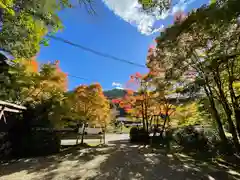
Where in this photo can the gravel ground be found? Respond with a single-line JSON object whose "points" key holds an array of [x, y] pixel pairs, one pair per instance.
{"points": [[119, 160]]}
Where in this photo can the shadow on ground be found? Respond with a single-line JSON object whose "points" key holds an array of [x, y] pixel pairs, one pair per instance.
{"points": [[71, 164], [118, 161], [138, 162]]}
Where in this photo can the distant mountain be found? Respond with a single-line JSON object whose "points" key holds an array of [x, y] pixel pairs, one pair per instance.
{"points": [[110, 94], [115, 93]]}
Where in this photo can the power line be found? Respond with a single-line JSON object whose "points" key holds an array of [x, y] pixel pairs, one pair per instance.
{"points": [[96, 52], [78, 77]]}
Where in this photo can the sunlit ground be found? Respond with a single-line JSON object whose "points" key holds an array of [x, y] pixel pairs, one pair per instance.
{"points": [[119, 160]]}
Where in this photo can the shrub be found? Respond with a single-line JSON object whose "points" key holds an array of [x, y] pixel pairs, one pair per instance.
{"points": [[5, 146], [139, 135], [163, 139], [35, 143], [143, 135], [134, 134], [157, 140], [44, 143], [27, 141], [21, 140], [192, 138]]}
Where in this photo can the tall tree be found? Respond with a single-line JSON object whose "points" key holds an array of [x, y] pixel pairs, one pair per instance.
{"points": [[140, 101], [202, 41]]}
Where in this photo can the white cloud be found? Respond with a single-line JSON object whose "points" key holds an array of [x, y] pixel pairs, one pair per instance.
{"points": [[158, 29], [130, 11], [117, 85], [181, 6]]}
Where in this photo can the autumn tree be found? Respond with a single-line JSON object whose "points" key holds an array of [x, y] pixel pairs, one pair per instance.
{"points": [[91, 105], [41, 88], [147, 102], [206, 41], [134, 102]]}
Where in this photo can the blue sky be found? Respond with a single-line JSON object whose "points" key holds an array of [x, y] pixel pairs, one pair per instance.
{"points": [[117, 30]]}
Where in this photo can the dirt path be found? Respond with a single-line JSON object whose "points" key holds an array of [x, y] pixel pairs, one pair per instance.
{"points": [[121, 161]]}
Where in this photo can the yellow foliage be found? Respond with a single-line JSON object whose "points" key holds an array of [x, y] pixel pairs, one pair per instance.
{"points": [[187, 114], [91, 105]]}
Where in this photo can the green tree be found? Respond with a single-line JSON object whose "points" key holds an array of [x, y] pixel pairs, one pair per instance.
{"points": [[24, 23], [155, 7], [203, 41]]}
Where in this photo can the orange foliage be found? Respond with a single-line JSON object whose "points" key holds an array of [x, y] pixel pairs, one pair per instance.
{"points": [[138, 75], [152, 72], [127, 106], [129, 92], [62, 74], [65, 74], [66, 80], [116, 101], [31, 64], [134, 81], [127, 110], [96, 86], [57, 62], [80, 88], [151, 48], [34, 65]]}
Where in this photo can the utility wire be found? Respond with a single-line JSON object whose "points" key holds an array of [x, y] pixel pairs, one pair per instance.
{"points": [[96, 52], [77, 77]]}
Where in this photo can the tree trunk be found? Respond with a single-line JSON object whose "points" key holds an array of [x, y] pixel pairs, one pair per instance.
{"points": [[236, 114], [150, 124], [230, 67], [143, 118], [83, 133], [210, 96], [164, 124], [235, 103], [237, 119], [227, 110], [77, 139], [146, 112], [232, 128], [215, 114], [78, 126], [104, 134]]}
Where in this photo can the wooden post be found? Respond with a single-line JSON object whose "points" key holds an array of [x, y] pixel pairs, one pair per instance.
{"points": [[9, 107], [2, 112]]}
